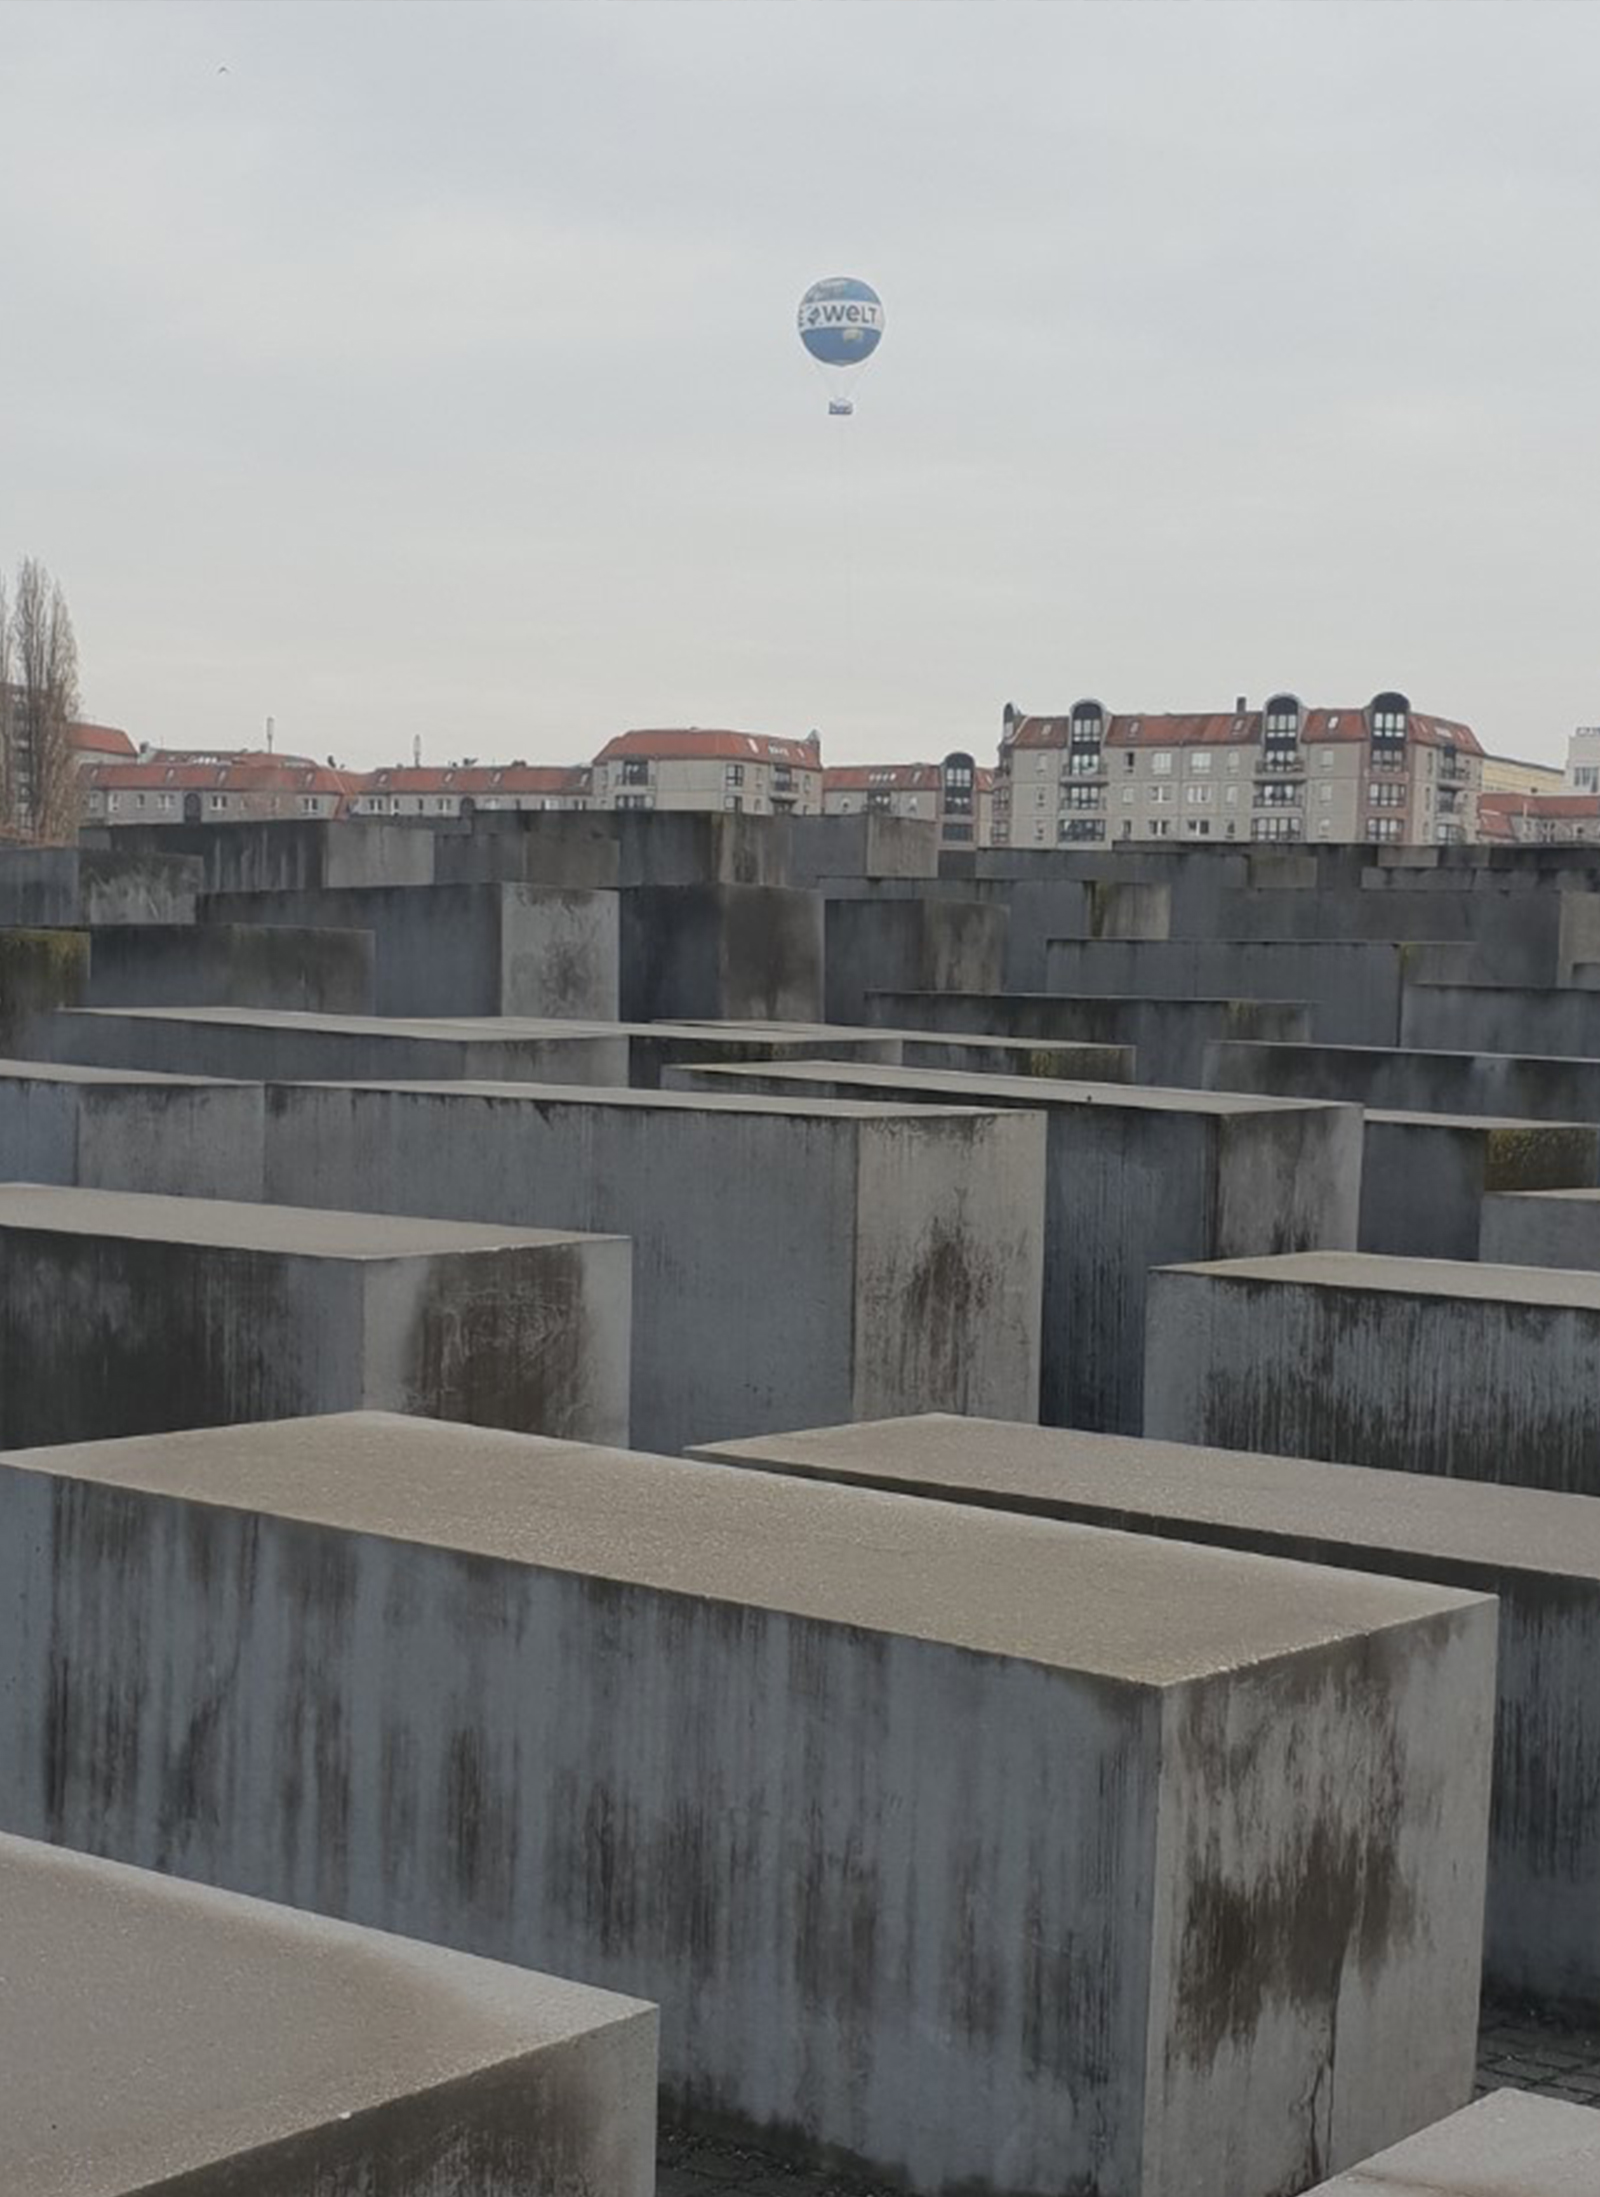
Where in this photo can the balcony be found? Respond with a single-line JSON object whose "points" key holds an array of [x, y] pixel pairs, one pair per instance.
{"points": [[1283, 763]]}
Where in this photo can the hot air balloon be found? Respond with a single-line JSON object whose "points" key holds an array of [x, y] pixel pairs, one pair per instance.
{"points": [[841, 325]]}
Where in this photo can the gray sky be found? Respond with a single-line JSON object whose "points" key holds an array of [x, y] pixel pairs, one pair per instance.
{"points": [[433, 370]]}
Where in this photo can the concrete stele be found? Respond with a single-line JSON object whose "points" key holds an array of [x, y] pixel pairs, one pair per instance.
{"points": [[821, 1770], [1507, 2145], [158, 2035]]}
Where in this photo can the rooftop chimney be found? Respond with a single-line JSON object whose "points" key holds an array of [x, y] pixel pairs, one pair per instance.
{"points": [[1240, 706]]}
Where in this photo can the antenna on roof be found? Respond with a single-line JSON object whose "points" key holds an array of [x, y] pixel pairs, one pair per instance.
{"points": [[416, 752], [271, 732]]}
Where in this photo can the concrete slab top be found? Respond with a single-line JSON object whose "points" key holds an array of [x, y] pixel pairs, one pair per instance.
{"points": [[1558, 1288], [61, 1071], [1509, 2144], [1042, 1091], [473, 1027], [1119, 1607], [150, 2027], [684, 1102], [1575, 1196], [1063, 1472], [223, 1224], [1519, 1125]]}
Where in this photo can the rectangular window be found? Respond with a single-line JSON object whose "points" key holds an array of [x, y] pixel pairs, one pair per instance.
{"points": [[635, 801], [1198, 797], [1325, 758], [1161, 793], [733, 800], [1129, 794], [733, 775], [1161, 765], [636, 772], [1200, 763]]}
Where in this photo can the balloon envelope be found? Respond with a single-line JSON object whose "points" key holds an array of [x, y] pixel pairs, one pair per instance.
{"points": [[841, 321]]}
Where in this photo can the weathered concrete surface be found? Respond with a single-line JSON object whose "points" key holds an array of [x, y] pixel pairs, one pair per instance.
{"points": [[122, 1314], [1415, 1365], [1543, 1228], [459, 949], [1539, 1553], [1129, 1173], [910, 946], [866, 845], [117, 1129], [296, 969], [1169, 1036], [294, 854], [784, 1251], [740, 952], [1424, 1177], [160, 2036], [919, 1842], [1353, 987], [603, 849], [80, 887], [657, 1046], [1507, 2145], [268, 1047], [1516, 1087], [40, 972]]}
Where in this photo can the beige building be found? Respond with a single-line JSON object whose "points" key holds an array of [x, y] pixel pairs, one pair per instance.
{"points": [[463, 789], [691, 769], [1284, 772], [1508, 774], [224, 786], [956, 794]]}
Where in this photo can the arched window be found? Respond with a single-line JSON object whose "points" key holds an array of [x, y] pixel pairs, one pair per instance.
{"points": [[1387, 717], [1086, 731], [960, 777]]}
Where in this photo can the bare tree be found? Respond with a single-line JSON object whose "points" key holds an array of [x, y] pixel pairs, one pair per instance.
{"points": [[41, 770], [7, 820]]}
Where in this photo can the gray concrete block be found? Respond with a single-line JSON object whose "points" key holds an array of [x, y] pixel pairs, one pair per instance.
{"points": [[910, 946], [459, 949], [867, 845], [80, 887], [1515, 1087], [122, 1314], [292, 968], [1487, 1018], [784, 1252], [1559, 1227], [735, 952], [40, 972], [291, 854], [607, 849], [258, 1044], [166, 2037], [660, 1046], [117, 1129], [1169, 1036], [917, 1841], [1424, 1177], [1507, 2145], [1130, 1174], [1538, 1553], [1415, 1365], [1353, 987]]}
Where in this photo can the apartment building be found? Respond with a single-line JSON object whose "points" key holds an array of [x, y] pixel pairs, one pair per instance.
{"points": [[690, 769], [1539, 819], [957, 793], [1283, 772], [189, 786], [462, 789]]}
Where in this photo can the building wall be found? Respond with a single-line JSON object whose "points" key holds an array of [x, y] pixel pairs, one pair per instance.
{"points": [[708, 782], [1092, 782]]}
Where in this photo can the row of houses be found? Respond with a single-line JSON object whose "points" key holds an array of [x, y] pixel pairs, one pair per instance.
{"points": [[1286, 771]]}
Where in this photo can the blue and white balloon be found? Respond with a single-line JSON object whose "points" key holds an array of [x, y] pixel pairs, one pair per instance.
{"points": [[841, 325]]}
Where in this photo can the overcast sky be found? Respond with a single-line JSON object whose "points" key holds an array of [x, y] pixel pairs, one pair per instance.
{"points": [[429, 370]]}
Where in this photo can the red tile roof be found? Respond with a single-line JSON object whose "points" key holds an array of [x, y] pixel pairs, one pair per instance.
{"points": [[688, 744], [1539, 804], [476, 778], [1226, 728], [101, 740], [180, 769], [883, 777]]}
